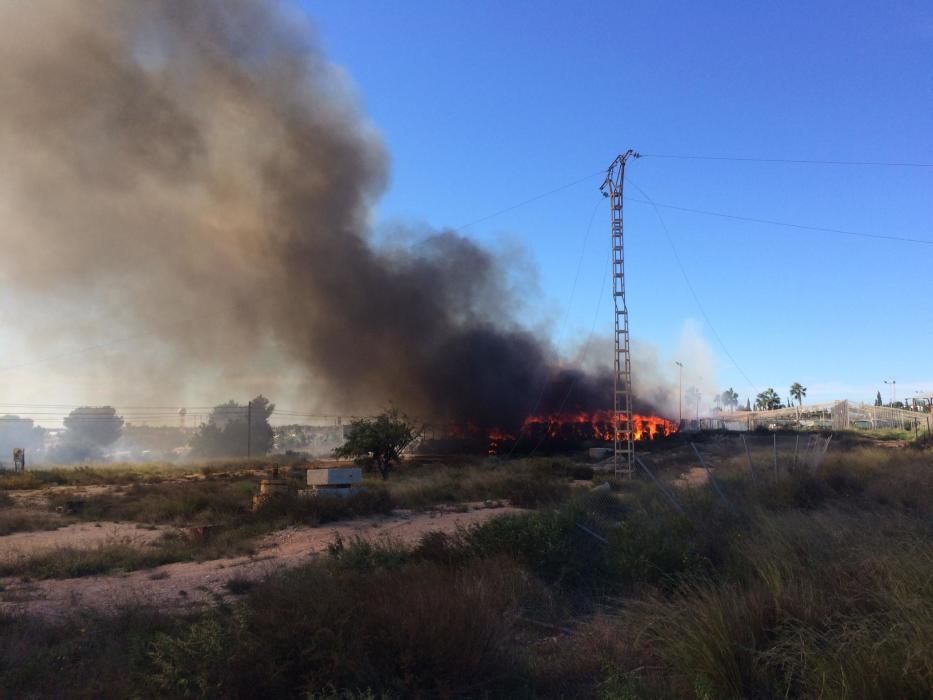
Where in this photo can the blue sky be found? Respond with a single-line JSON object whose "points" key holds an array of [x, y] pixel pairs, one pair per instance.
{"points": [[483, 105]]}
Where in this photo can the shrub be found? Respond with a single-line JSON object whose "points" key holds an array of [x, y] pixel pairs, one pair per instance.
{"points": [[548, 543], [22, 520], [83, 656], [419, 630], [323, 509]]}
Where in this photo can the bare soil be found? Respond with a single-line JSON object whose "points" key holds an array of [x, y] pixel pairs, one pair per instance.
{"points": [[186, 585]]}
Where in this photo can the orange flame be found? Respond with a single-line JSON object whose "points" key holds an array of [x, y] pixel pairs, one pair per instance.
{"points": [[496, 436], [598, 425]]}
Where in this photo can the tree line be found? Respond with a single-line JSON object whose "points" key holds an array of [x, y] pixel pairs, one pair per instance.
{"points": [[767, 400], [231, 430]]}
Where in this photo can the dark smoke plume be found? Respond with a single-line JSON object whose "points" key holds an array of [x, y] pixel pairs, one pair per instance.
{"points": [[175, 159]]}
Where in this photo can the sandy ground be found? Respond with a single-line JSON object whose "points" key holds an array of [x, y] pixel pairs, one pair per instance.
{"points": [[187, 585]]}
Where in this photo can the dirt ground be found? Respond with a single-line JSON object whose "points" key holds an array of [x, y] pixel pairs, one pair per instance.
{"points": [[186, 585]]}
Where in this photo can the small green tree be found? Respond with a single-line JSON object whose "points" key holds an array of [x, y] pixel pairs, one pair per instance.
{"points": [[878, 401], [381, 439]]}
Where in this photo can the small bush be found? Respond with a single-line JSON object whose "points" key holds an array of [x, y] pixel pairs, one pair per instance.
{"points": [[239, 586]]}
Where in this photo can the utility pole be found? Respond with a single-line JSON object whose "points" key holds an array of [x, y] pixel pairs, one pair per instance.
{"points": [[680, 393], [249, 430], [623, 437]]}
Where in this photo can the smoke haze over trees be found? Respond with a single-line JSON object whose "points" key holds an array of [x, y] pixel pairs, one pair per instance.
{"points": [[89, 430], [19, 432], [225, 433]]}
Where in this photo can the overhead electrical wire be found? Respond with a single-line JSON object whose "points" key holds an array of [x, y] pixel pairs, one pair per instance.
{"points": [[584, 352], [792, 161], [573, 289], [693, 293], [531, 200], [786, 224]]}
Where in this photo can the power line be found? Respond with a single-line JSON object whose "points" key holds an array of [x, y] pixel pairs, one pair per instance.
{"points": [[793, 161], [786, 224], [530, 200], [583, 353], [693, 293], [576, 277]]}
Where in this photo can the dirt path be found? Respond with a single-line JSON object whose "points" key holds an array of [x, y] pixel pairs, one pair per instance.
{"points": [[186, 585]]}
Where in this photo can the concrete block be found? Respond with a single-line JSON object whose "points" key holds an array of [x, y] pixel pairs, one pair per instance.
{"points": [[335, 476]]}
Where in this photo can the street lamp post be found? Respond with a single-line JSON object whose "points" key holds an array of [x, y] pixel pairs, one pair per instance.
{"points": [[680, 390], [893, 385]]}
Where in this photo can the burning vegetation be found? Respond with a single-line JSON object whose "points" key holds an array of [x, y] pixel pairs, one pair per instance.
{"points": [[596, 426], [553, 431]]}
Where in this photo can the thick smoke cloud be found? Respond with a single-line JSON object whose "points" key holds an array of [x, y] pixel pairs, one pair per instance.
{"points": [[170, 160]]}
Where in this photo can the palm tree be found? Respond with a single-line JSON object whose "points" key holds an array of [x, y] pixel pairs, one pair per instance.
{"points": [[730, 399], [798, 391], [767, 400]]}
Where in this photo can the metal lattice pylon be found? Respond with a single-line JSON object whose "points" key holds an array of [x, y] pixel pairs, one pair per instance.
{"points": [[623, 430]]}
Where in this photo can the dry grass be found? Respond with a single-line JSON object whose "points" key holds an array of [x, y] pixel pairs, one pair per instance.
{"points": [[817, 585], [98, 474], [525, 483], [224, 503], [25, 520]]}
